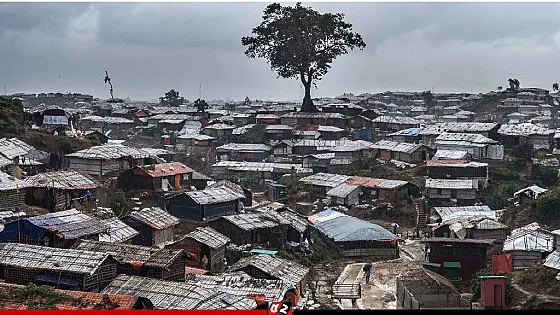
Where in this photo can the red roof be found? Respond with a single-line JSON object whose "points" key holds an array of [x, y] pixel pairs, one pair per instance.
{"points": [[165, 169], [195, 271], [87, 300], [364, 181], [445, 162]]}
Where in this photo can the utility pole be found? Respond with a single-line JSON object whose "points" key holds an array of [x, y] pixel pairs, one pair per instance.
{"points": [[5, 93], [200, 90]]}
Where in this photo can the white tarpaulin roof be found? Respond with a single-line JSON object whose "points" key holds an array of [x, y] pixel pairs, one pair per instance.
{"points": [[530, 238]]}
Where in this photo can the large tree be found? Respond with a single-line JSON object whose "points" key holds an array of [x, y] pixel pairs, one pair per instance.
{"points": [[300, 42], [172, 98], [201, 106], [428, 97]]}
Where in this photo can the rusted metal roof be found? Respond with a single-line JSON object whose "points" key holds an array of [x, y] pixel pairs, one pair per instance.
{"points": [[364, 181], [165, 169]]}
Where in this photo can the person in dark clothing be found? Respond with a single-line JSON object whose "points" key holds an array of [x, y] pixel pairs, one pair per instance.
{"points": [[88, 195], [367, 271]]}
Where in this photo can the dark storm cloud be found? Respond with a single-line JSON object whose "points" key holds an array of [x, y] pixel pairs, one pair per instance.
{"points": [[149, 48]]}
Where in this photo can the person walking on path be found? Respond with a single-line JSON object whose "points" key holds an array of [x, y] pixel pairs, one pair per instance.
{"points": [[367, 271], [395, 227]]}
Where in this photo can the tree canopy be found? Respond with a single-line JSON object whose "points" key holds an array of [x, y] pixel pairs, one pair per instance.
{"points": [[201, 106], [428, 97], [172, 98], [299, 42], [555, 87], [513, 84]]}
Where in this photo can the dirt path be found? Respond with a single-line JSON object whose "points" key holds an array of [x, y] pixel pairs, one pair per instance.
{"points": [[545, 297], [380, 292]]}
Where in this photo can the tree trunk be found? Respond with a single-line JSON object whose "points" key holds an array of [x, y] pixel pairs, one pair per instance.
{"points": [[308, 106]]}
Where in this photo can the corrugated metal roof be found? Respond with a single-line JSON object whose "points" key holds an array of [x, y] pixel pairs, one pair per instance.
{"points": [[391, 184], [450, 155], [237, 285], [170, 295], [324, 179], [450, 183], [455, 163], [110, 151], [108, 119], [285, 270], [260, 220], [348, 229], [468, 137], [196, 137], [464, 212], [447, 240], [342, 190], [364, 181], [165, 169], [313, 115], [530, 238], [8, 182], [155, 217], [208, 236], [70, 223], [220, 127], [244, 147], [396, 120], [524, 129], [261, 167], [296, 221], [396, 146], [50, 258], [198, 176], [13, 147], [553, 260], [71, 180], [243, 129], [214, 195], [279, 127], [118, 232], [329, 129]]}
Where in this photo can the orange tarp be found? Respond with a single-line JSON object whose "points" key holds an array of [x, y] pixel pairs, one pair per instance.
{"points": [[178, 181], [137, 265], [501, 264]]}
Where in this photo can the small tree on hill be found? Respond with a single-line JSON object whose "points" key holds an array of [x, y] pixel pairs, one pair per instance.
{"points": [[555, 87], [300, 42]]}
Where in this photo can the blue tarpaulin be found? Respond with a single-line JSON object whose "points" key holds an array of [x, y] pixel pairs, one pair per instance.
{"points": [[21, 227]]}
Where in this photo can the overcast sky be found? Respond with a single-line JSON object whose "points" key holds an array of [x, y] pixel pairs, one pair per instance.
{"points": [[149, 48]]}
